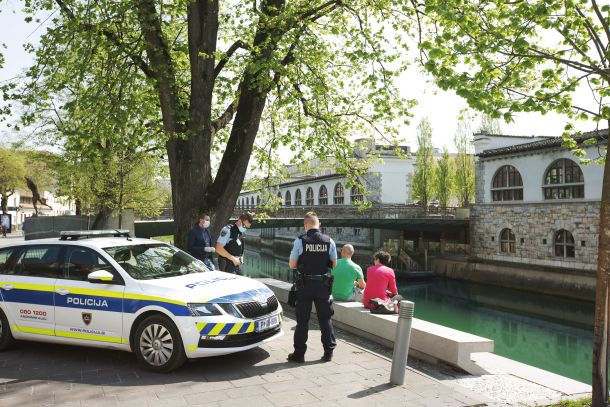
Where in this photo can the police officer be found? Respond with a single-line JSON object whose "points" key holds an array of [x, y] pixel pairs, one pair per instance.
{"points": [[313, 255], [230, 246], [199, 242]]}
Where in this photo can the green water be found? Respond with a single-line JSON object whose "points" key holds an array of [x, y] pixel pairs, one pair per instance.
{"points": [[551, 333]]}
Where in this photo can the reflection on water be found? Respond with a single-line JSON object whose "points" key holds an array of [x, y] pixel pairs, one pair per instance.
{"points": [[551, 333]]}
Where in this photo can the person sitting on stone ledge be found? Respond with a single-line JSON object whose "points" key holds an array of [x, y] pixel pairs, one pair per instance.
{"points": [[349, 280], [380, 279]]}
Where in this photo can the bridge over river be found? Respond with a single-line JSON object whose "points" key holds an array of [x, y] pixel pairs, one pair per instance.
{"points": [[408, 218]]}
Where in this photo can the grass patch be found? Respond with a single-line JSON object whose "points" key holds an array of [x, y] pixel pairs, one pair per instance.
{"points": [[586, 402]]}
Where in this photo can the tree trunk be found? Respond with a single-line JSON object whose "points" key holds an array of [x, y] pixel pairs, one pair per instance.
{"points": [[600, 337], [192, 191], [4, 203], [102, 218]]}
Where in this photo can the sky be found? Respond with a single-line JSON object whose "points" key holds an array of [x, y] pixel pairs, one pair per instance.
{"points": [[441, 107]]}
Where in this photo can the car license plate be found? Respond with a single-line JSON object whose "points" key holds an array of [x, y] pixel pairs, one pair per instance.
{"points": [[267, 323]]}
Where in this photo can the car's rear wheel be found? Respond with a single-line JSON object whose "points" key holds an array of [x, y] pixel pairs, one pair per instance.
{"points": [[158, 345], [6, 337]]}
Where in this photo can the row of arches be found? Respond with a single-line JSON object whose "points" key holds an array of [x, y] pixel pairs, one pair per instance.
{"points": [[562, 180], [288, 199], [563, 243]]}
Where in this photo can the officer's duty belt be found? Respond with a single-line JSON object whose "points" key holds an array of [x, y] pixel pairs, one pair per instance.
{"points": [[313, 276]]}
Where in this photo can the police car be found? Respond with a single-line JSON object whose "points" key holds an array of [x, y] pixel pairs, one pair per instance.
{"points": [[104, 289]]}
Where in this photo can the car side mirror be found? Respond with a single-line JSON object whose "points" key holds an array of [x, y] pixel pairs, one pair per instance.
{"points": [[100, 277]]}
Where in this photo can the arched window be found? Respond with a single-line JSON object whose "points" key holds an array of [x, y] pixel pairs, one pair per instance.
{"points": [[507, 241], [564, 244], [339, 199], [564, 180], [323, 196], [297, 198], [507, 185], [252, 201], [288, 198], [356, 195], [258, 200], [279, 196], [309, 197]]}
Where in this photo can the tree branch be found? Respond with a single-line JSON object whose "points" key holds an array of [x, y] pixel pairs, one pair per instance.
{"points": [[137, 59], [223, 61], [596, 40], [600, 16], [163, 67], [225, 118]]}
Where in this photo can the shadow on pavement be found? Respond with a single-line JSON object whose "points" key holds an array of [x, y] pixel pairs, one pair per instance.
{"points": [[32, 361]]}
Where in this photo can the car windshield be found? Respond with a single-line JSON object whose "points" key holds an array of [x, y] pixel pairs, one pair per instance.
{"points": [[150, 261]]}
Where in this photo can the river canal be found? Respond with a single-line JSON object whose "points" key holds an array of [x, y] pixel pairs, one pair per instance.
{"points": [[551, 333]]}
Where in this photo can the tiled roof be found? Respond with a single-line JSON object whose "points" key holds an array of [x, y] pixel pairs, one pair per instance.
{"points": [[552, 142]]}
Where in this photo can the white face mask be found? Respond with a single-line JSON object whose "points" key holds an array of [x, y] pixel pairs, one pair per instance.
{"points": [[206, 224]]}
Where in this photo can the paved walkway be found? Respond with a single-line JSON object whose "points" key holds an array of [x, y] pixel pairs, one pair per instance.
{"points": [[35, 374]]}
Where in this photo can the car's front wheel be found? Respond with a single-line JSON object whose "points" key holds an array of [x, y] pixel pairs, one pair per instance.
{"points": [[6, 337], [158, 345]]}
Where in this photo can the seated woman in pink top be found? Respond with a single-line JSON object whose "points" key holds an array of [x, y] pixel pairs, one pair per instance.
{"points": [[379, 279]]}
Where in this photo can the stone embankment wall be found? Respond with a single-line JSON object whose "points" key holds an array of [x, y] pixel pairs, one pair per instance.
{"points": [[570, 283], [534, 226]]}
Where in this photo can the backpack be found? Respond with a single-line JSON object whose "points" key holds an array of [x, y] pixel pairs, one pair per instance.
{"points": [[379, 306]]}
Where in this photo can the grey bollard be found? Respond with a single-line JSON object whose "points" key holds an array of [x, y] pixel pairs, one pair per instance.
{"points": [[401, 343]]}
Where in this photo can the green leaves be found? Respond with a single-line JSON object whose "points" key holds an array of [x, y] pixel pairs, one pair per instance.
{"points": [[518, 56], [425, 167]]}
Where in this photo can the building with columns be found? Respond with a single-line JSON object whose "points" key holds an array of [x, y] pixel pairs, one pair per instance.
{"points": [[388, 182]]}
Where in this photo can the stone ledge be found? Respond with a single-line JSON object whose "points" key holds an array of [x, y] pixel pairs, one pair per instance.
{"points": [[429, 341], [496, 364]]}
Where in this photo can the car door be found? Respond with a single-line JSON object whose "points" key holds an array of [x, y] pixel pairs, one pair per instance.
{"points": [[27, 281], [87, 310]]}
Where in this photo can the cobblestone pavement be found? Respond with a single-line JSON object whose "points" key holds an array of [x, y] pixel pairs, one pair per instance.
{"points": [[33, 374]]}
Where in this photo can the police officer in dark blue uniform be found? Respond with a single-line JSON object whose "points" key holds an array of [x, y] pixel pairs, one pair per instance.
{"points": [[230, 245], [313, 255]]}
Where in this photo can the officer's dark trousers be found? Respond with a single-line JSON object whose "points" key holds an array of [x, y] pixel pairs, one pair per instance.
{"points": [[313, 292], [229, 267]]}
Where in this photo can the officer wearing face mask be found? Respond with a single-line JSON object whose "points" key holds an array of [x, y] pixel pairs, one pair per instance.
{"points": [[199, 242], [230, 245]]}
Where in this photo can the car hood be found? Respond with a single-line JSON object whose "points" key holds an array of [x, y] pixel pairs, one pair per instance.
{"points": [[212, 286]]}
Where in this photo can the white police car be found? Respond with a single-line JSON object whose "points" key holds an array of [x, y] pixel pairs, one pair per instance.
{"points": [[103, 289]]}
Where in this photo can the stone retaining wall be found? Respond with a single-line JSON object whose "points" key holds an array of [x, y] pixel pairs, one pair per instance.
{"points": [[534, 226]]}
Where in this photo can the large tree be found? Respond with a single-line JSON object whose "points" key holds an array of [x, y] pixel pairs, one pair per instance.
{"points": [[12, 173], [323, 68], [464, 164], [532, 56], [423, 176], [444, 179]]}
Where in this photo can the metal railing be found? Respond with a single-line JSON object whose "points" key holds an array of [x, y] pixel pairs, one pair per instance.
{"points": [[349, 211], [379, 211]]}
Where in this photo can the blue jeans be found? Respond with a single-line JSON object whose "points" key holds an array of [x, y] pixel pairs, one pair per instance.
{"points": [[209, 263]]}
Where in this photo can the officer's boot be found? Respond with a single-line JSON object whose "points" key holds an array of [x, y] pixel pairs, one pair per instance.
{"points": [[295, 357], [328, 356]]}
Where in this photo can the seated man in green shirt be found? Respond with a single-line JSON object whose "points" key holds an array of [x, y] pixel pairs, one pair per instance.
{"points": [[349, 280]]}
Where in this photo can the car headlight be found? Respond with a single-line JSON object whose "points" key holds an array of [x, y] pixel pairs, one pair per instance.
{"points": [[204, 310], [231, 310]]}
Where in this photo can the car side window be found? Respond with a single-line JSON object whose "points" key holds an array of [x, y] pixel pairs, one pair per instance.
{"points": [[37, 261], [5, 254], [80, 261]]}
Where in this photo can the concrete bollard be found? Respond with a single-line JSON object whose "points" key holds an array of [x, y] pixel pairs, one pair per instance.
{"points": [[401, 343]]}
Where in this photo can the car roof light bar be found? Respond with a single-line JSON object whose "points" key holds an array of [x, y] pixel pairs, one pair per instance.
{"points": [[87, 234]]}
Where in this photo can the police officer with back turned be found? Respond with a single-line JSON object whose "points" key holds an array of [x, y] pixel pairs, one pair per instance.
{"points": [[313, 255], [230, 246]]}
